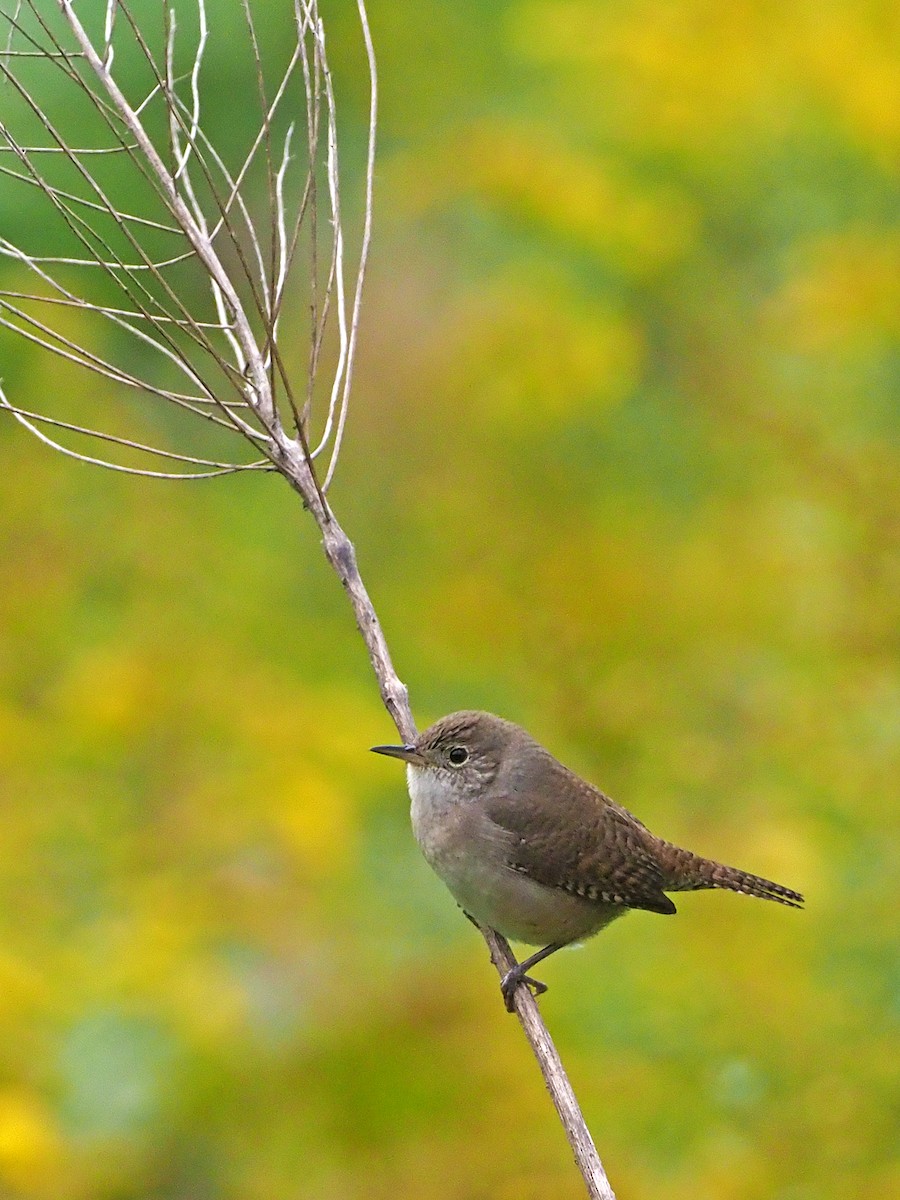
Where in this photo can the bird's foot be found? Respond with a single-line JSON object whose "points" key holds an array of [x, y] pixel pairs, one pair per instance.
{"points": [[511, 981]]}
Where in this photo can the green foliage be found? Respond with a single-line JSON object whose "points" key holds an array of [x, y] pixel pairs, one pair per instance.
{"points": [[622, 466]]}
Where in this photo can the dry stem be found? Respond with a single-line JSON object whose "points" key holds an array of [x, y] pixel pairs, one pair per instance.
{"points": [[229, 360]]}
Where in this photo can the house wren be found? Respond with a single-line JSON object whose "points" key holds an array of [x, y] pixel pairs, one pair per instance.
{"points": [[529, 848]]}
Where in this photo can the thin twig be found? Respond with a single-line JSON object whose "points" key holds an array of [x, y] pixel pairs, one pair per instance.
{"points": [[366, 242], [91, 460], [554, 1073]]}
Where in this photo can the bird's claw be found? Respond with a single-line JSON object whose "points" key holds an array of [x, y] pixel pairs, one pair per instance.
{"points": [[511, 981]]}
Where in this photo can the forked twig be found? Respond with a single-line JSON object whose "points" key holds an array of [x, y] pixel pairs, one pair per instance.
{"points": [[134, 249]]}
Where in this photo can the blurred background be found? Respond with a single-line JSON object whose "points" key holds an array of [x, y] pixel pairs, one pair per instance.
{"points": [[621, 465]]}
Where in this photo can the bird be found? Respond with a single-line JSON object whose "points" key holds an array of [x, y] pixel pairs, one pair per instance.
{"points": [[530, 849]]}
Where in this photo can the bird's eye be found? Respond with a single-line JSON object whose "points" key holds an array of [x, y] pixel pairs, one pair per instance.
{"points": [[458, 755]]}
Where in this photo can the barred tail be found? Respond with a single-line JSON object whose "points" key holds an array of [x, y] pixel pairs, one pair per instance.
{"points": [[689, 873]]}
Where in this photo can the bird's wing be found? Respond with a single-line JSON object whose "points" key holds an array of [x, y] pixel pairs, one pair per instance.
{"points": [[580, 841]]}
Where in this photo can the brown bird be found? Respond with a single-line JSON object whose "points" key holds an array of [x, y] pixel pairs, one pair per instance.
{"points": [[534, 851]]}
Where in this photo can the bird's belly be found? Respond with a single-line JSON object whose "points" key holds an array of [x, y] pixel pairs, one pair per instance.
{"points": [[526, 911], [470, 854]]}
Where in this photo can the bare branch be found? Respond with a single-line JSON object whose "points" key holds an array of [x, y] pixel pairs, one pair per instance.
{"points": [[554, 1073], [136, 244]]}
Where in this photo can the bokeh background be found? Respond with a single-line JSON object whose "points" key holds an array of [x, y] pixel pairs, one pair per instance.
{"points": [[621, 466]]}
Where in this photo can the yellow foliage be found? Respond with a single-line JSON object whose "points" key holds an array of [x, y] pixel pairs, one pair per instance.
{"points": [[314, 817], [23, 989], [689, 70], [108, 690], [529, 175], [851, 51], [581, 357], [30, 1144], [843, 295], [16, 732], [693, 70]]}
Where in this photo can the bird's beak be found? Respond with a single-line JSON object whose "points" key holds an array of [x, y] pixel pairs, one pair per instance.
{"points": [[408, 754]]}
